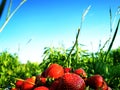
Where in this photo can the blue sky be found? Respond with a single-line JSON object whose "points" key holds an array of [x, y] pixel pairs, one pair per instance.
{"points": [[55, 22]]}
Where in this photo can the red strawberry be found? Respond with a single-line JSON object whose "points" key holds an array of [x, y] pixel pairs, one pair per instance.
{"points": [[29, 83], [54, 71], [66, 69], [19, 83], [81, 72], [55, 84], [71, 81], [41, 88], [43, 80], [95, 81], [104, 86], [40, 81]]}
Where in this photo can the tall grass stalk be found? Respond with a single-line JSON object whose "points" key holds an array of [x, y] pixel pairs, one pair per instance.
{"points": [[114, 36], [9, 8], [68, 61], [116, 14], [10, 15], [110, 21]]}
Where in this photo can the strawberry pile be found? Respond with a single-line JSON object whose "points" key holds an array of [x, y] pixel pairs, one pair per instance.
{"points": [[56, 77]]}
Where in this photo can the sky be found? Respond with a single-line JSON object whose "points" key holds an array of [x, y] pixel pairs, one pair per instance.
{"points": [[52, 23]]}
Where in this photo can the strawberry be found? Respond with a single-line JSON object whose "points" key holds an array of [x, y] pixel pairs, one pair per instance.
{"points": [[80, 72], [29, 83], [54, 71], [41, 88], [104, 86], [43, 80], [55, 84], [40, 81], [95, 81], [66, 70], [71, 81], [19, 83]]}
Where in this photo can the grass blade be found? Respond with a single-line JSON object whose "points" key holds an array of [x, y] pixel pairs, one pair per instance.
{"points": [[2, 5], [110, 21], [10, 16], [112, 39], [9, 8], [76, 40]]}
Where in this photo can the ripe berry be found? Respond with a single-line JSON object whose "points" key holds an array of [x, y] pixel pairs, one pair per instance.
{"points": [[71, 81], [29, 83], [80, 72], [41, 88], [95, 81], [54, 71]]}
